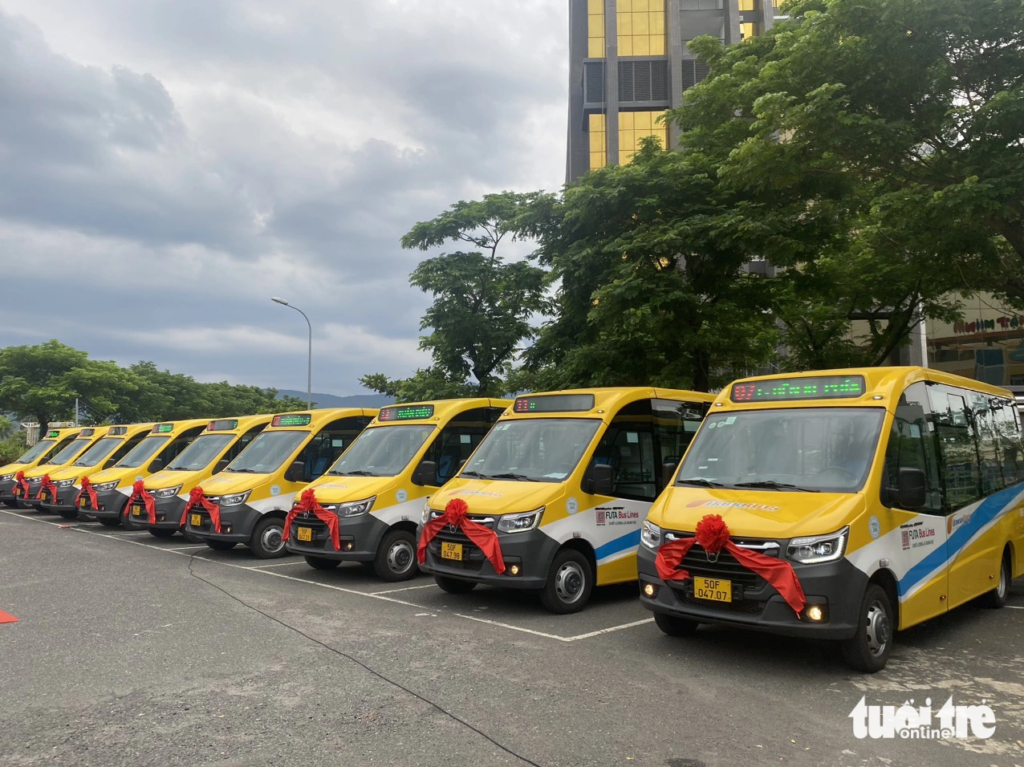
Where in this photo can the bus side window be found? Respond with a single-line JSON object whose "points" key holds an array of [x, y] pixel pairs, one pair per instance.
{"points": [[675, 424], [912, 445], [988, 445], [327, 446], [244, 440], [961, 471], [458, 439], [628, 446], [127, 447], [182, 441], [1007, 426]]}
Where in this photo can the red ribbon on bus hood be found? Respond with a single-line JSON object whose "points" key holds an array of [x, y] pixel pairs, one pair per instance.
{"points": [[713, 536], [47, 486], [455, 515], [139, 491], [307, 502], [195, 498], [88, 490], [20, 481]]}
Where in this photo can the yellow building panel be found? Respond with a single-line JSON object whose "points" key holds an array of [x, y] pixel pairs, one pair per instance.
{"points": [[595, 48], [657, 21], [626, 46], [746, 31], [746, 5], [595, 7], [624, 6], [642, 5], [640, 27], [641, 24], [625, 24], [657, 45]]}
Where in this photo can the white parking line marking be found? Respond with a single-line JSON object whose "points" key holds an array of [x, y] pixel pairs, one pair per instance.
{"points": [[183, 548], [280, 564], [1015, 607], [379, 595], [406, 588]]}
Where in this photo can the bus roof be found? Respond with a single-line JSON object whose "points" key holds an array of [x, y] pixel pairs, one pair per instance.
{"points": [[601, 402], [237, 424], [128, 429], [59, 432], [438, 410], [177, 427], [864, 386], [318, 418]]}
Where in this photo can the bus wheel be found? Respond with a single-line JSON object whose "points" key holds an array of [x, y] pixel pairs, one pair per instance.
{"points": [[322, 563], [454, 585], [111, 522], [868, 649], [396, 557], [267, 540], [161, 532], [221, 545], [675, 626], [996, 598], [570, 581]]}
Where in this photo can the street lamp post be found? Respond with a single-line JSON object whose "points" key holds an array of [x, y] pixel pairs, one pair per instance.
{"points": [[309, 376]]}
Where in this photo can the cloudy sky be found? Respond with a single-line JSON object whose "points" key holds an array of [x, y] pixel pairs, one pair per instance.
{"points": [[168, 165]]}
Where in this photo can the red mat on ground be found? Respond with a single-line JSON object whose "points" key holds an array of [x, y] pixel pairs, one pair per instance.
{"points": [[5, 618]]}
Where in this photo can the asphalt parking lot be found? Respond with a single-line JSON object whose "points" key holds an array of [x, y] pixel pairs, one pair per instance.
{"points": [[131, 650]]}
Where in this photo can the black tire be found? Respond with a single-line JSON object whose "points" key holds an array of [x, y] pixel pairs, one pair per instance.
{"points": [[267, 540], [868, 650], [221, 545], [322, 563], [396, 557], [111, 522], [68, 513], [997, 597], [161, 532], [454, 585], [570, 582], [675, 626]]}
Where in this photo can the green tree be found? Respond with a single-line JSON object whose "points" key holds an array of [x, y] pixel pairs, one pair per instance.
{"points": [[12, 442], [483, 305]]}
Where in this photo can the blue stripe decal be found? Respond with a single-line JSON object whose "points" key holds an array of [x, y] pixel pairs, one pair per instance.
{"points": [[619, 544], [987, 510]]}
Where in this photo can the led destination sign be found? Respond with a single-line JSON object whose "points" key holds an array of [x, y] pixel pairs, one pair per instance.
{"points": [[224, 424], [405, 413], [554, 403], [301, 419], [817, 387]]}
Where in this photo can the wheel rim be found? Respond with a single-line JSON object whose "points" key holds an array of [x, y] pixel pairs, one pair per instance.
{"points": [[570, 582], [878, 629], [400, 557], [272, 539], [1003, 585]]}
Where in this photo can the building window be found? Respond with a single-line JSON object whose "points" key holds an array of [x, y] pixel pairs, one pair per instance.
{"points": [[595, 29], [598, 142], [641, 27], [747, 31], [634, 126]]}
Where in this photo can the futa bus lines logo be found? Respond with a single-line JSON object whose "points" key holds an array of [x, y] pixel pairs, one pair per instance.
{"points": [[915, 535], [732, 505], [616, 516], [921, 723]]}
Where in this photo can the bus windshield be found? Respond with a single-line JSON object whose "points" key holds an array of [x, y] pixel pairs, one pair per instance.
{"points": [[35, 451], [534, 450], [382, 452], [99, 451], [796, 449], [142, 452], [266, 453], [70, 451], [201, 453]]}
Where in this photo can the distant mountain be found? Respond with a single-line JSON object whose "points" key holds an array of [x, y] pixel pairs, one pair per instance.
{"points": [[333, 400]]}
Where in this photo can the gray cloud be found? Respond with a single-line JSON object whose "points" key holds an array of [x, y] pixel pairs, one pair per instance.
{"points": [[165, 167]]}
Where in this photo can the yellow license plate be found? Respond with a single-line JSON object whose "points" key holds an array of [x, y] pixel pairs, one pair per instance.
{"points": [[136, 511], [712, 589], [305, 533], [196, 520], [82, 503], [451, 551]]}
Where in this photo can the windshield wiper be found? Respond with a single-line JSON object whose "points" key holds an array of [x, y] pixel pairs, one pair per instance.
{"points": [[243, 471], [356, 473], [699, 481], [509, 475], [771, 484], [474, 474]]}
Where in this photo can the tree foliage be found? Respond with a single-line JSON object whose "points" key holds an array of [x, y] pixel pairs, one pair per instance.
{"points": [[42, 382], [483, 304]]}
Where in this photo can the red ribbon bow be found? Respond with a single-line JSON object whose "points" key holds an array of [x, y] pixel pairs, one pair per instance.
{"points": [[47, 486], [87, 488], [307, 502], [139, 491], [195, 498], [455, 515], [20, 481], [713, 536]]}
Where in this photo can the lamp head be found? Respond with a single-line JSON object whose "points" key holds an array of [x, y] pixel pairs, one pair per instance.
{"points": [[281, 301]]}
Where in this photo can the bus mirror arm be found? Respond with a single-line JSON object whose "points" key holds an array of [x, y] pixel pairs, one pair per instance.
{"points": [[668, 469], [602, 479], [911, 493], [425, 474]]}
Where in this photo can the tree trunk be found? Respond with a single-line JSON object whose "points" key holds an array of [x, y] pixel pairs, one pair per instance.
{"points": [[701, 364]]}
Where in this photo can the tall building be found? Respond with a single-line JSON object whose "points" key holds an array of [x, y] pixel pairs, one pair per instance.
{"points": [[629, 62]]}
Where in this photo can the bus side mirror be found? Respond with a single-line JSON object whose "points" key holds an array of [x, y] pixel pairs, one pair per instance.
{"points": [[156, 465], [425, 474], [911, 493], [602, 479], [296, 472], [221, 465], [668, 470]]}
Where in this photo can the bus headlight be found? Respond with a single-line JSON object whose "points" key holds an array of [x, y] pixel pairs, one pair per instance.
{"points": [[354, 508], [103, 487], [818, 548], [520, 523], [167, 492], [425, 516], [6, 478], [650, 535], [65, 483], [236, 499]]}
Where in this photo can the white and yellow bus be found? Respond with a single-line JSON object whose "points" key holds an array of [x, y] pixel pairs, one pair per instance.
{"points": [[43, 453], [888, 495]]}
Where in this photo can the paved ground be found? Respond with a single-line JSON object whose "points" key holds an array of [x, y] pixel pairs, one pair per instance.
{"points": [[136, 651]]}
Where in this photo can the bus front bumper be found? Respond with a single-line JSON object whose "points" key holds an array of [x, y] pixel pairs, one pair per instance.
{"points": [[359, 538], [168, 513], [110, 505], [236, 524], [530, 552], [837, 588]]}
